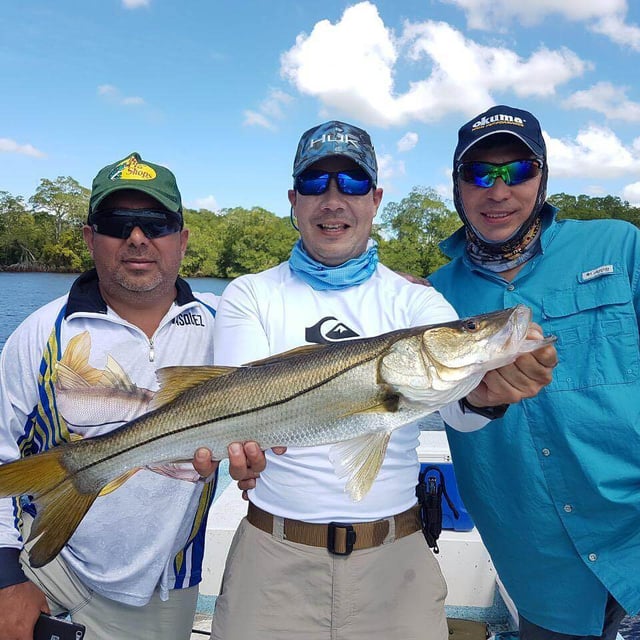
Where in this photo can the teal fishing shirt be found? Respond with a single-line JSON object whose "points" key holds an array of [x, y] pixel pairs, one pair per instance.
{"points": [[554, 486]]}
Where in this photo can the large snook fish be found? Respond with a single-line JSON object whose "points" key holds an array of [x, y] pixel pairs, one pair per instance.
{"points": [[353, 393]]}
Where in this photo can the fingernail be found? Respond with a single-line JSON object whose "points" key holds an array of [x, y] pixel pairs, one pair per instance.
{"points": [[235, 448]]}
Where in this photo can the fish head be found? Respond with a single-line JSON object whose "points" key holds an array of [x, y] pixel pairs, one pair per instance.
{"points": [[443, 363], [476, 344]]}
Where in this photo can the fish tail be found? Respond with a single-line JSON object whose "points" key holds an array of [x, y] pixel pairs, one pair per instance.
{"points": [[60, 506]]}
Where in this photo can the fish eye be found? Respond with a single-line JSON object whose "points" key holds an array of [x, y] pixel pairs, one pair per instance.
{"points": [[471, 325]]}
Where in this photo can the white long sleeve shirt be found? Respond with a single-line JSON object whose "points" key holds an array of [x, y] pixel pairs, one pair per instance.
{"points": [[274, 311]]}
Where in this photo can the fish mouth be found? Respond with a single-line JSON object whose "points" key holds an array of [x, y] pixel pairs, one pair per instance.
{"points": [[515, 329]]}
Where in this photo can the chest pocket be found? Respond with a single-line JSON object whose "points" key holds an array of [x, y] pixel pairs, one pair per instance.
{"points": [[597, 331]]}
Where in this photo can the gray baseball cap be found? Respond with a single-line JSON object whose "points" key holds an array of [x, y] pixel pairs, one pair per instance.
{"points": [[335, 138]]}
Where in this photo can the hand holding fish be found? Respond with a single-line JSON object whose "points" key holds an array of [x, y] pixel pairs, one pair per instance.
{"points": [[20, 606], [245, 461], [523, 378]]}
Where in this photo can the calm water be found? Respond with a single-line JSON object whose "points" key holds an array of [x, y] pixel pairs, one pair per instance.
{"points": [[22, 293]]}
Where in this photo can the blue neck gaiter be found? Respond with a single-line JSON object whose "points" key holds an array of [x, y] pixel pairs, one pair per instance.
{"points": [[322, 277]]}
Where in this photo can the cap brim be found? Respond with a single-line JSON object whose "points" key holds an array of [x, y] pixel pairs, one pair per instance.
{"points": [[305, 164], [535, 148], [131, 186]]}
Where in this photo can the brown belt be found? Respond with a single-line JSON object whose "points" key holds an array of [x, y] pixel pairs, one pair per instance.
{"points": [[339, 538]]}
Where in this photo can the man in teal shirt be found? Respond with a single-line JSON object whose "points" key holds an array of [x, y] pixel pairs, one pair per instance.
{"points": [[554, 485]]}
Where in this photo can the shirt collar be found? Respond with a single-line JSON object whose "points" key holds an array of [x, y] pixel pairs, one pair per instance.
{"points": [[85, 295]]}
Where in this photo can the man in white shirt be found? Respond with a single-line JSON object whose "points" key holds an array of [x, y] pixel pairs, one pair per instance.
{"points": [[278, 584]]}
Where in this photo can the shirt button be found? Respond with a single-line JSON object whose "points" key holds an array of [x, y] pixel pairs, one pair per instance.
{"points": [[511, 287], [568, 508], [593, 557], [546, 452]]}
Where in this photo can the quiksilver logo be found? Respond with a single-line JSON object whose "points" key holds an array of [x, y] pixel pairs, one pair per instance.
{"points": [[499, 118], [334, 137], [328, 330]]}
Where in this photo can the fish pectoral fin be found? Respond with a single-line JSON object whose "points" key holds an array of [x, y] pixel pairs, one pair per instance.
{"points": [[60, 505], [176, 380], [360, 460], [117, 482], [388, 404]]}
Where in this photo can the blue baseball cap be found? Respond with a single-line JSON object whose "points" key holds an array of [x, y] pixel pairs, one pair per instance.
{"points": [[335, 138], [501, 119]]}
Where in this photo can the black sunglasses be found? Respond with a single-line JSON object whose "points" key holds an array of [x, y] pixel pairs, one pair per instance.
{"points": [[314, 182], [119, 223]]}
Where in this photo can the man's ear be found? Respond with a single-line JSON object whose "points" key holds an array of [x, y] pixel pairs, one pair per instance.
{"points": [[87, 234]]}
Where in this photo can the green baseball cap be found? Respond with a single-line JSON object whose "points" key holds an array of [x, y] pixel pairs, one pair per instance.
{"points": [[135, 173]]}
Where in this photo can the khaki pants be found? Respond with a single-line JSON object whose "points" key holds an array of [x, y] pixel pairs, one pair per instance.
{"points": [[278, 590], [107, 619]]}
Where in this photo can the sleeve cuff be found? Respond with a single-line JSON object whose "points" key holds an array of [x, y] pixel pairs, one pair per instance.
{"points": [[10, 570], [488, 412]]}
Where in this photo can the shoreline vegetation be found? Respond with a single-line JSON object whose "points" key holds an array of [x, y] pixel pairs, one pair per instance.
{"points": [[31, 267], [44, 233]]}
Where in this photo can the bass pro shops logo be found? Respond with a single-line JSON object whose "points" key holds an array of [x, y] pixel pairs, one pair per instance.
{"points": [[328, 330]]}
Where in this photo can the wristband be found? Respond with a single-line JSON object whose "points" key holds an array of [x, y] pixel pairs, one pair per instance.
{"points": [[10, 570], [487, 412]]}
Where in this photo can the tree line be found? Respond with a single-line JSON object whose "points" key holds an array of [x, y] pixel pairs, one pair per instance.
{"points": [[44, 233]]}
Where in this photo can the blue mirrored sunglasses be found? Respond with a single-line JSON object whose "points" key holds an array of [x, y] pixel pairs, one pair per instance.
{"points": [[313, 182], [119, 223], [484, 174]]}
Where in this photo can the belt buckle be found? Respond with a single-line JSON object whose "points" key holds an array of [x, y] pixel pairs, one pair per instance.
{"points": [[350, 538]]}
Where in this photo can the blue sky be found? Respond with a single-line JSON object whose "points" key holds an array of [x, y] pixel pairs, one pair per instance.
{"points": [[220, 91]]}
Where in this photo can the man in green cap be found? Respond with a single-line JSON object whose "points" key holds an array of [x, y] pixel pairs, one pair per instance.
{"points": [[131, 569]]}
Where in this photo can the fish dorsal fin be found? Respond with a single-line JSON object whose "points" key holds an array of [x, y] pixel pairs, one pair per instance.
{"points": [[76, 358], [287, 355], [114, 376], [67, 378], [176, 380], [360, 460]]}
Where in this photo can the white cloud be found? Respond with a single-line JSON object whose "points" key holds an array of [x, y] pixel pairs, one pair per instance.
{"points": [[458, 75], [114, 95], [408, 141], [595, 153], [271, 109], [389, 167], [621, 33], [606, 17], [135, 4], [631, 193], [605, 98], [208, 202], [491, 14], [253, 118], [11, 146], [315, 65]]}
